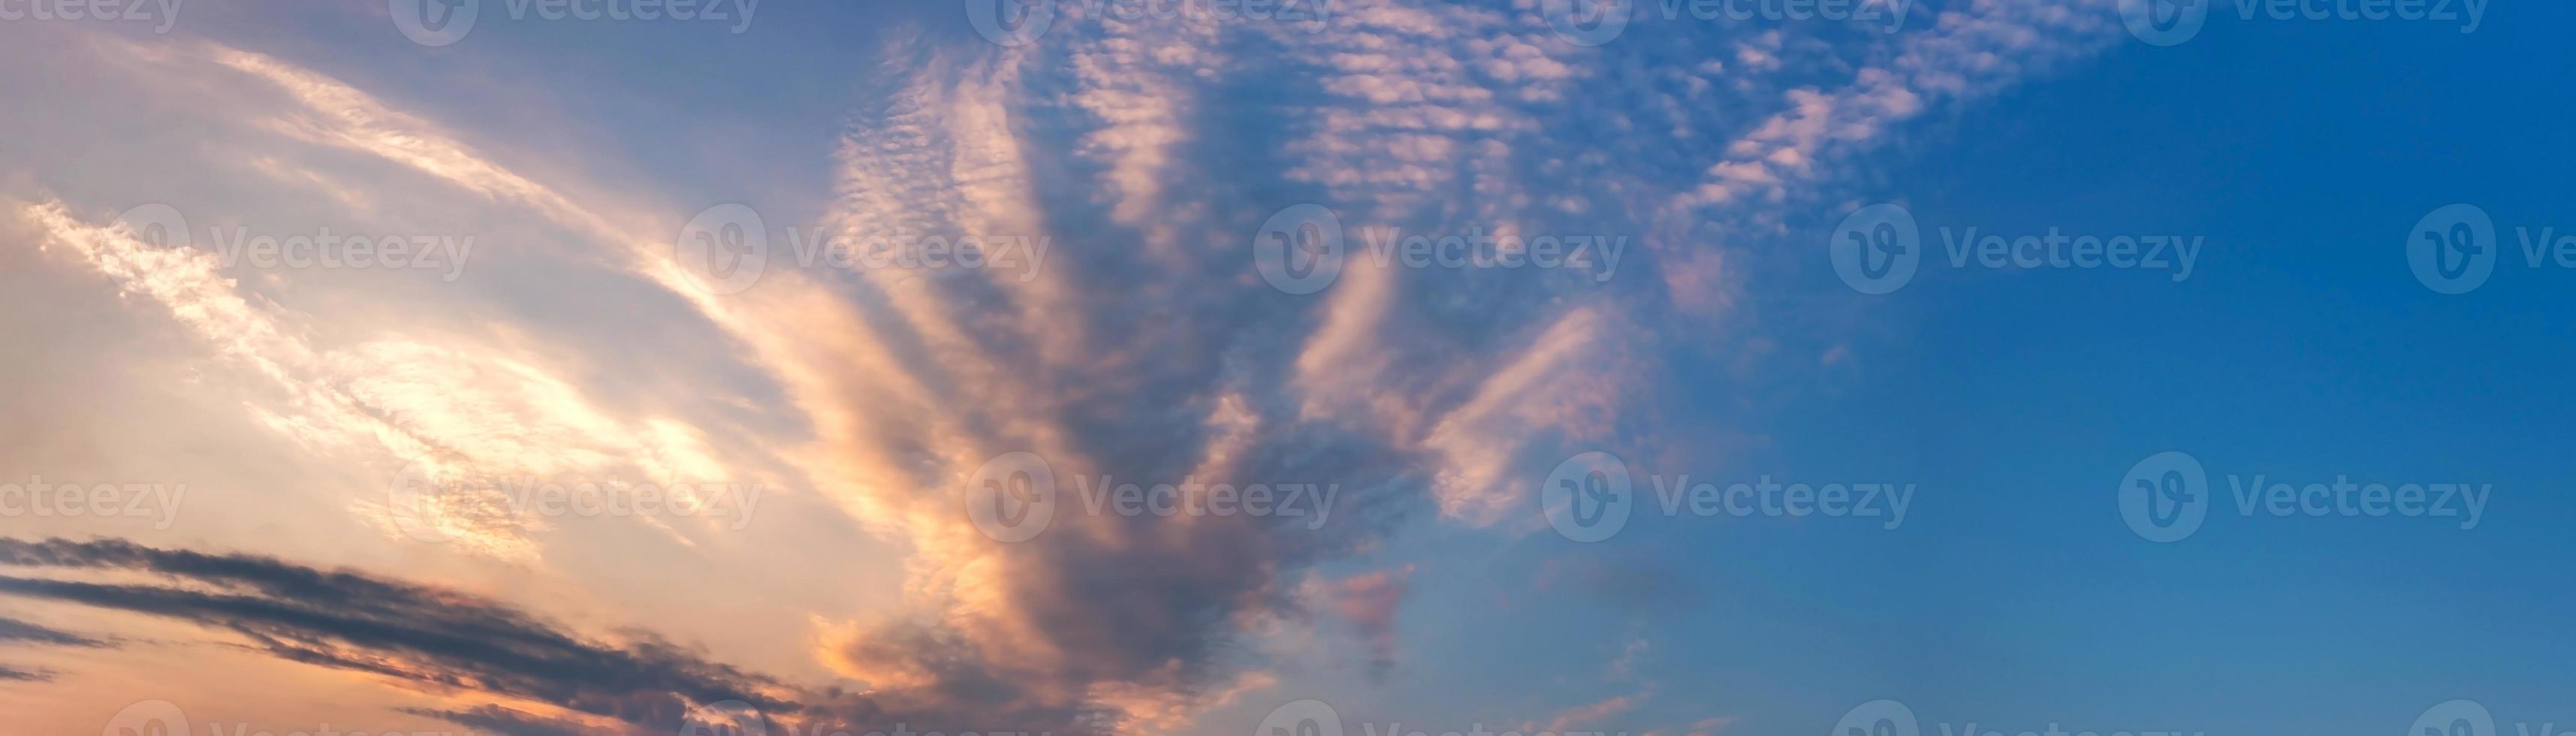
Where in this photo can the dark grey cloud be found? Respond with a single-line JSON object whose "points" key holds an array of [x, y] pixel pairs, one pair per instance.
{"points": [[447, 640], [21, 632], [496, 719], [13, 630]]}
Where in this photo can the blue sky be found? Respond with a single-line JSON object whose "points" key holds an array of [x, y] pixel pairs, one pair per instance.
{"points": [[859, 571]]}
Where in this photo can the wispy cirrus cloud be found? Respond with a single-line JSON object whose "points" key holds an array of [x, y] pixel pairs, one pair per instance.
{"points": [[453, 410]]}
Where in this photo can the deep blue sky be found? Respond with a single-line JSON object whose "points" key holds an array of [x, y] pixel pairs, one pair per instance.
{"points": [[2301, 347]]}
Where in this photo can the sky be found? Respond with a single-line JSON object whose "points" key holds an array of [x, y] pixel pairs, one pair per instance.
{"points": [[1326, 368]]}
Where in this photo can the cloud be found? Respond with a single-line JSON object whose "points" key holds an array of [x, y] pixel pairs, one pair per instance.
{"points": [[1794, 154], [440, 640], [1986, 46], [468, 415], [1369, 601], [1145, 348], [13, 630], [1710, 726], [1586, 714], [496, 719]]}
